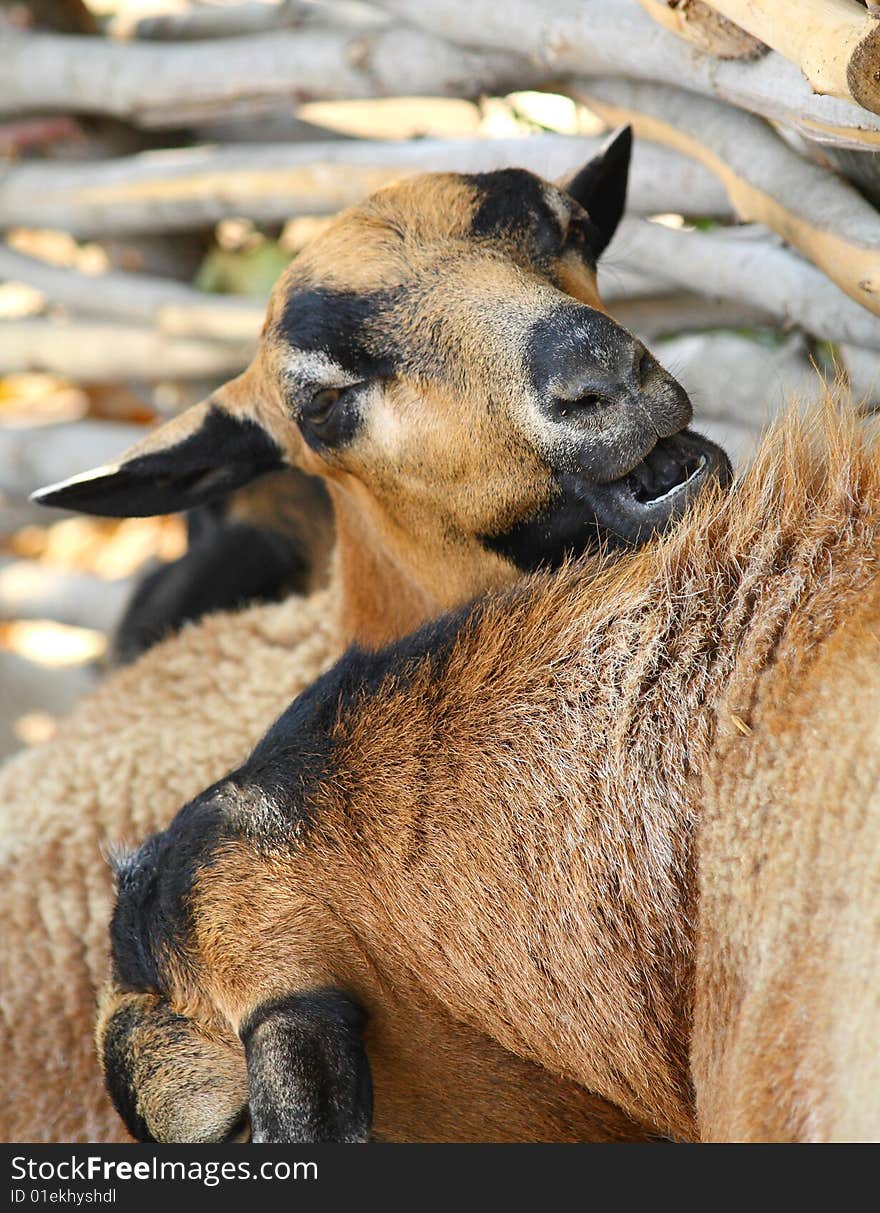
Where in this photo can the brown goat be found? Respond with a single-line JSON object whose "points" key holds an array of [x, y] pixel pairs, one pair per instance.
{"points": [[492, 824], [440, 358]]}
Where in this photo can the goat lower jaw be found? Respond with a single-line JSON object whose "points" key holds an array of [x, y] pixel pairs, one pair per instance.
{"points": [[658, 489], [619, 513]]}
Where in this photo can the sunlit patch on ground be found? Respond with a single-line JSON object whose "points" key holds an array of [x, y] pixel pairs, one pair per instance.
{"points": [[52, 644], [108, 548], [36, 399], [33, 728]]}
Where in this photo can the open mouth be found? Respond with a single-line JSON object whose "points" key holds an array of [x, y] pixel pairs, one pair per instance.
{"points": [[665, 472], [657, 490], [623, 512]]}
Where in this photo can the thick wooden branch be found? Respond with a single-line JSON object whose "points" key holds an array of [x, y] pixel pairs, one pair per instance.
{"points": [[170, 307], [617, 282], [696, 22], [835, 43], [32, 456], [195, 187], [734, 378], [16, 511], [768, 182], [214, 21], [598, 38], [862, 368], [31, 591], [657, 315], [98, 351], [745, 265], [153, 84]]}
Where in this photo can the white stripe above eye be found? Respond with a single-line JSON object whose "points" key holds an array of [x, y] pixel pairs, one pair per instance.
{"points": [[316, 368]]}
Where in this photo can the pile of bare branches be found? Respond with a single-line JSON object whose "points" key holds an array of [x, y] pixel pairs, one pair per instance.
{"points": [[752, 127], [129, 143]]}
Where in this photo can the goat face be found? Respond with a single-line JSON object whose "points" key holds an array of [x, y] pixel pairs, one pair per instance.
{"points": [[441, 356]]}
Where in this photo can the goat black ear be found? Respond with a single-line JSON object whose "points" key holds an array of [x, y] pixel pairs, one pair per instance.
{"points": [[308, 1074], [600, 186], [192, 459]]}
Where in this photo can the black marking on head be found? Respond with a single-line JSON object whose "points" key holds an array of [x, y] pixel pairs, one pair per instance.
{"points": [[119, 1064], [276, 785], [512, 203], [154, 886], [562, 528], [222, 454], [344, 325], [356, 332], [308, 1073]]}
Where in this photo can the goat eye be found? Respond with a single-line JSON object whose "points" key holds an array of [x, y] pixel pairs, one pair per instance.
{"points": [[319, 409], [331, 416]]}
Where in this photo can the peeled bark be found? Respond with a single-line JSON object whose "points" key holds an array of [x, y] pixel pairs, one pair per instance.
{"points": [[734, 378], [153, 84], [745, 265], [214, 21], [29, 590], [196, 187], [598, 38], [835, 43], [696, 22], [169, 307], [812, 208], [32, 456], [100, 351], [862, 368], [656, 316]]}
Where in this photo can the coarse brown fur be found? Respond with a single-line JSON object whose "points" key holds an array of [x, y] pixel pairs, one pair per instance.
{"points": [[408, 508], [119, 768], [504, 836]]}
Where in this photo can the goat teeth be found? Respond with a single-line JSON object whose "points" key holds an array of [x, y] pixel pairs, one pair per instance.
{"points": [[682, 484]]}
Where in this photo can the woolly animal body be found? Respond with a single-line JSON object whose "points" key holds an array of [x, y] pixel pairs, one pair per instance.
{"points": [[174, 721], [494, 824], [441, 359]]}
